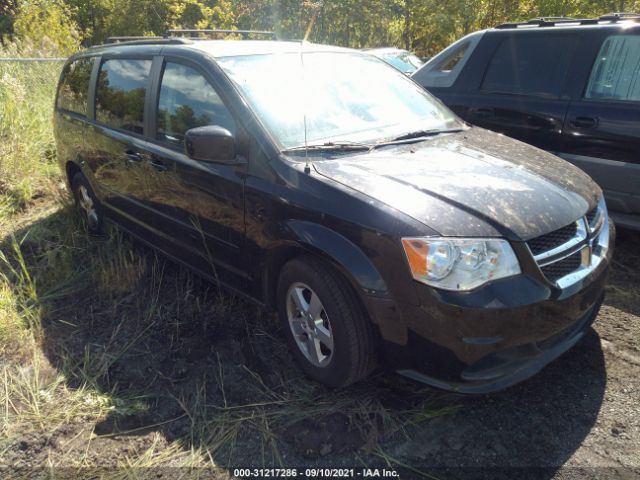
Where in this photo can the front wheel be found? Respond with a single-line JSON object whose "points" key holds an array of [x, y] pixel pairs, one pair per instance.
{"points": [[326, 327]]}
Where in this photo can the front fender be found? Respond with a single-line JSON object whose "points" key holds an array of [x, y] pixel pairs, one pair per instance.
{"points": [[357, 268], [348, 257], [344, 253]]}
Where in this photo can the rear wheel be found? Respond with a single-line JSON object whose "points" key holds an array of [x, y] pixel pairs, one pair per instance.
{"points": [[87, 204], [326, 327]]}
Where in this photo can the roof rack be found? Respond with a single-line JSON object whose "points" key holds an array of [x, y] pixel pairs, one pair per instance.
{"points": [[552, 19], [555, 21], [620, 16], [181, 36], [141, 41], [195, 34], [129, 39]]}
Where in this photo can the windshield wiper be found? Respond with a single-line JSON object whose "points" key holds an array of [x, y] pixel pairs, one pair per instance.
{"points": [[347, 146], [329, 146], [416, 135]]}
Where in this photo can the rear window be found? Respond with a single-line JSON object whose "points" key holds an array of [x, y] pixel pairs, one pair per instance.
{"points": [[74, 87], [530, 65], [122, 86], [616, 71]]}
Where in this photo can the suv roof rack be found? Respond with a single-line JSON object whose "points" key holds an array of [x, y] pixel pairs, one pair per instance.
{"points": [[556, 21], [131, 40], [181, 36], [195, 34], [620, 16], [552, 19]]}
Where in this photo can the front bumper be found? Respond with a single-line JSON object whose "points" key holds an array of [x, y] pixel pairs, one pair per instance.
{"points": [[507, 367], [499, 335]]}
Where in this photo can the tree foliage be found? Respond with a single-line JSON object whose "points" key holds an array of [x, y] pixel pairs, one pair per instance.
{"points": [[46, 25], [425, 26]]}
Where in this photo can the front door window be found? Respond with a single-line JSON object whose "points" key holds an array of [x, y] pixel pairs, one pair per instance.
{"points": [[187, 100]]}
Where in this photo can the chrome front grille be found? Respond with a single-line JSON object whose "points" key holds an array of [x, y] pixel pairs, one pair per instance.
{"points": [[556, 270], [560, 243], [595, 218], [552, 240], [567, 254]]}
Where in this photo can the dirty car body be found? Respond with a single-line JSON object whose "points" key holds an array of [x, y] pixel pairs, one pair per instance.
{"points": [[477, 259]]}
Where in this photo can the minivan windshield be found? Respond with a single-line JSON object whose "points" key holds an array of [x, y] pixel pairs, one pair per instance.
{"points": [[342, 97]]}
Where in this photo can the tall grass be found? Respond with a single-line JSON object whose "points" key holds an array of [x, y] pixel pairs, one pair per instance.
{"points": [[32, 391], [27, 173], [27, 151]]}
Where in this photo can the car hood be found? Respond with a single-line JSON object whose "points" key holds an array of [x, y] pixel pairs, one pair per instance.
{"points": [[472, 183]]}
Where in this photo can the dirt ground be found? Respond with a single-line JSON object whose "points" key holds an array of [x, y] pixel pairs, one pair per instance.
{"points": [[221, 380]]}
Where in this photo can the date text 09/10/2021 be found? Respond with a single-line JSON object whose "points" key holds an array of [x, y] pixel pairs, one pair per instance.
{"points": [[315, 473]]}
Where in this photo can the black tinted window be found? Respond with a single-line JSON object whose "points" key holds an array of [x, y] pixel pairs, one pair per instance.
{"points": [[616, 71], [530, 65], [186, 101], [74, 86], [122, 85]]}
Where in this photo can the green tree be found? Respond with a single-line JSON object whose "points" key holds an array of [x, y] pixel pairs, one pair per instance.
{"points": [[101, 19], [425, 26], [46, 25], [8, 11]]}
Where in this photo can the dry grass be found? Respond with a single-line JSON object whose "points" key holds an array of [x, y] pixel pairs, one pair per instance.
{"points": [[106, 337]]}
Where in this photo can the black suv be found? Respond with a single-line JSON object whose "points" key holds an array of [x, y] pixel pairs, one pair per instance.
{"points": [[571, 87], [323, 183]]}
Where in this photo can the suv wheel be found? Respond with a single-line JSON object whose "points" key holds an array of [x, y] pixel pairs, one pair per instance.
{"points": [[88, 204], [326, 328]]}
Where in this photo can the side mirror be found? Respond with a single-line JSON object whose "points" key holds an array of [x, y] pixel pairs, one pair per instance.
{"points": [[210, 144]]}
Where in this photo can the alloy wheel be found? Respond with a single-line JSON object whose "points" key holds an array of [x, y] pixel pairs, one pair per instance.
{"points": [[310, 324]]}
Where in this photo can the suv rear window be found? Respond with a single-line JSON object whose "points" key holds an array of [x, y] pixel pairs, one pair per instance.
{"points": [[74, 86], [122, 86], [616, 71], [530, 65]]}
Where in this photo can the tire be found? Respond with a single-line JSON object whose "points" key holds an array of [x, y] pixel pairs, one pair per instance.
{"points": [[88, 204], [351, 356]]}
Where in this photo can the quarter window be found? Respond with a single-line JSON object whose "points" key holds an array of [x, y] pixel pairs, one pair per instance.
{"points": [[187, 100], [453, 59], [122, 86], [74, 87], [616, 71], [528, 65]]}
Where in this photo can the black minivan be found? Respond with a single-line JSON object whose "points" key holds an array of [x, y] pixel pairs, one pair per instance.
{"points": [[323, 183], [568, 86]]}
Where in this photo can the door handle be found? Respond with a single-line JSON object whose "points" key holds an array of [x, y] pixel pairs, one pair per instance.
{"points": [[485, 112], [132, 156], [157, 165], [584, 122]]}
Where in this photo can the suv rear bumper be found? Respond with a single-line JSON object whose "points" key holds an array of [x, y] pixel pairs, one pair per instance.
{"points": [[487, 340]]}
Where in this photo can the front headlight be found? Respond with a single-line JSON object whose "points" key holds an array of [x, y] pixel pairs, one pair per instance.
{"points": [[459, 264]]}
